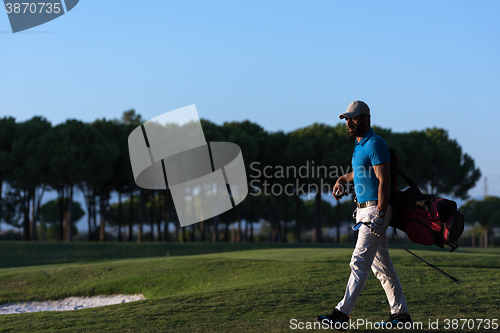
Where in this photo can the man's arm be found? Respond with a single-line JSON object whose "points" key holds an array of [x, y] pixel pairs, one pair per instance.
{"points": [[384, 187], [341, 182]]}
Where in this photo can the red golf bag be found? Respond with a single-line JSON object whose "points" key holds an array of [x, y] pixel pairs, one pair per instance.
{"points": [[425, 219]]}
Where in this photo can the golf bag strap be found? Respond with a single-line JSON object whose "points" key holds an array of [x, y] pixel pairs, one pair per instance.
{"points": [[410, 182]]}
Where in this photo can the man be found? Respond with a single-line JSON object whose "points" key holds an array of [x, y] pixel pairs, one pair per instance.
{"points": [[370, 163]]}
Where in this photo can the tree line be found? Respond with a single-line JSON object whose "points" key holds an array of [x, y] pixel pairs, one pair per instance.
{"points": [[482, 216], [284, 170]]}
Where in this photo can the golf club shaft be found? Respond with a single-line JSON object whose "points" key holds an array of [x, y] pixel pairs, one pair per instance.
{"points": [[413, 254], [431, 265]]}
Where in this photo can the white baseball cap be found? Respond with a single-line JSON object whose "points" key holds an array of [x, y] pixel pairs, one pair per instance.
{"points": [[355, 109]]}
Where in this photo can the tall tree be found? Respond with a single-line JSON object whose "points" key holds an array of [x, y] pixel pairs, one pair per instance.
{"points": [[74, 150], [308, 143], [130, 120], [29, 172], [434, 161], [272, 181], [49, 218], [452, 171], [485, 213], [7, 130], [110, 149]]}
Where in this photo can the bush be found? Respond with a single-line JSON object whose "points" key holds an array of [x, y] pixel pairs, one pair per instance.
{"points": [[52, 232], [11, 235], [344, 238]]}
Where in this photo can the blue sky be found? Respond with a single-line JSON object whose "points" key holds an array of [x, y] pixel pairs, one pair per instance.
{"points": [[281, 64]]}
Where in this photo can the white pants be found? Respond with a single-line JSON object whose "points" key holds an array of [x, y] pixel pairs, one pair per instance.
{"points": [[372, 251]]}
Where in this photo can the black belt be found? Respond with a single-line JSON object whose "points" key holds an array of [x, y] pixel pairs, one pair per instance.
{"points": [[367, 204]]}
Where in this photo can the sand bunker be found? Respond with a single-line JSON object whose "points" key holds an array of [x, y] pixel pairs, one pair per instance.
{"points": [[67, 304]]}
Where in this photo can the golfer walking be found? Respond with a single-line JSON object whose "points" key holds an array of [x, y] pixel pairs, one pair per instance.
{"points": [[370, 163]]}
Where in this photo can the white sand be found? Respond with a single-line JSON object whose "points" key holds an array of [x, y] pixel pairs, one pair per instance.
{"points": [[67, 304]]}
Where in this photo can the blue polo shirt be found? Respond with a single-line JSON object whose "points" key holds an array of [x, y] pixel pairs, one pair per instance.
{"points": [[369, 151]]}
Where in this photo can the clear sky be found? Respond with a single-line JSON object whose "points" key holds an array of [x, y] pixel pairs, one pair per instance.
{"points": [[281, 64]]}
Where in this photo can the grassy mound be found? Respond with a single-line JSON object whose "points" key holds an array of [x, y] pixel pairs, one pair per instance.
{"points": [[258, 290]]}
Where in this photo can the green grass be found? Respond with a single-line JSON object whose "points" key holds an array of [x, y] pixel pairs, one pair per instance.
{"points": [[19, 254], [258, 290]]}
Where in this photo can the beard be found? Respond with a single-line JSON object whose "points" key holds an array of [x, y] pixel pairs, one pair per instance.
{"points": [[358, 130]]}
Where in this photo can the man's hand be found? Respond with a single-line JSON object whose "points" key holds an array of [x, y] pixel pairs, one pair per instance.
{"points": [[339, 188], [376, 225], [340, 185]]}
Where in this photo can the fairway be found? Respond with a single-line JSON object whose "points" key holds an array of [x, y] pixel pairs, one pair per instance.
{"points": [[252, 290]]}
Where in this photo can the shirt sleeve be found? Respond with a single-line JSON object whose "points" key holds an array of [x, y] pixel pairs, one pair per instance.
{"points": [[379, 152]]}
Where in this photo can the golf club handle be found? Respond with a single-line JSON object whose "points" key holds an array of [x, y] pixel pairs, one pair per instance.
{"points": [[348, 190]]}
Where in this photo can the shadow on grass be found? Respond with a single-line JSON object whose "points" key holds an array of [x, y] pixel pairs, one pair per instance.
{"points": [[19, 254]]}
